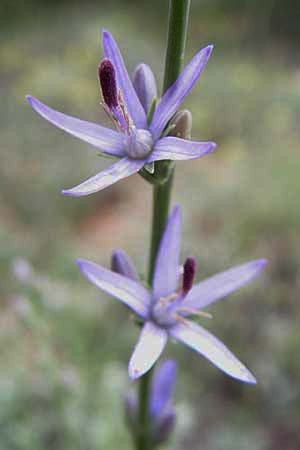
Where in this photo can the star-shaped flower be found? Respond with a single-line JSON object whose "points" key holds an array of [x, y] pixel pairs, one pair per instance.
{"points": [[165, 310], [135, 143]]}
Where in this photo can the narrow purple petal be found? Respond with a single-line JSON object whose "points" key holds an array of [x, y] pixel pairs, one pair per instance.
{"points": [[132, 102], [211, 348], [149, 347], [129, 292], [107, 177], [145, 85], [108, 141], [176, 93], [163, 383], [222, 284], [122, 264], [179, 149], [166, 272]]}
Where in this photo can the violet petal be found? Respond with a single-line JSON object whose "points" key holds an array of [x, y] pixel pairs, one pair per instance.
{"points": [[179, 149], [176, 93], [222, 284], [145, 85], [162, 387], [167, 264], [132, 102], [213, 349], [106, 177], [122, 264], [149, 347], [132, 294], [104, 139]]}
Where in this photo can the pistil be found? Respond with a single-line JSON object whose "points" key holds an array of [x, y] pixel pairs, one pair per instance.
{"points": [[113, 103], [189, 270], [108, 84]]}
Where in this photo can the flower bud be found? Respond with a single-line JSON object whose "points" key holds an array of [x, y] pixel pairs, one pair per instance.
{"points": [[144, 85], [182, 124], [121, 263]]}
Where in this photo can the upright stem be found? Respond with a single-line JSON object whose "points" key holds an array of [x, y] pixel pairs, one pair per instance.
{"points": [[177, 31]]}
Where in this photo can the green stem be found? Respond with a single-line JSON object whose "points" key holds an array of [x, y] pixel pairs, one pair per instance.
{"points": [[160, 212], [177, 31]]}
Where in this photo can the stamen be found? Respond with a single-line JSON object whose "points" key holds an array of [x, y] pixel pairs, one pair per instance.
{"points": [[164, 301], [128, 121], [194, 312], [181, 319], [108, 84], [189, 270]]}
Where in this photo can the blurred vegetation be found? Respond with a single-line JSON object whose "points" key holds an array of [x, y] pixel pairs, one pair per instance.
{"points": [[64, 346], [280, 18]]}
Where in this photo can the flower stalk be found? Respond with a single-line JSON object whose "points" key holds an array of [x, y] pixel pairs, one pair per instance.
{"points": [[176, 40]]}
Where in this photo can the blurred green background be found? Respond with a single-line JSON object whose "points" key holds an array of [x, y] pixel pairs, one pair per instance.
{"points": [[64, 345]]}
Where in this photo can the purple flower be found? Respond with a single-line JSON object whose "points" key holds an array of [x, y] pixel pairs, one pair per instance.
{"points": [[135, 143], [161, 412], [165, 310]]}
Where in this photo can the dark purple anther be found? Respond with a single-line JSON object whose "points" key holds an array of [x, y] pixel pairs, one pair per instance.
{"points": [[189, 270], [107, 78]]}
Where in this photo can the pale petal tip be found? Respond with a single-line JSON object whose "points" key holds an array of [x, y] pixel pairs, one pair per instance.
{"points": [[31, 100], [35, 104], [212, 147], [248, 378], [260, 264], [241, 373], [106, 34], [209, 49], [71, 193], [204, 53], [66, 192], [134, 373], [80, 263], [83, 266]]}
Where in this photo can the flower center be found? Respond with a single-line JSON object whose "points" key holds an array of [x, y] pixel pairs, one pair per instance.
{"points": [[163, 313], [139, 143], [167, 311]]}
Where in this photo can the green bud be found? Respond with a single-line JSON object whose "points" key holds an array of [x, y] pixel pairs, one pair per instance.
{"points": [[182, 124]]}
